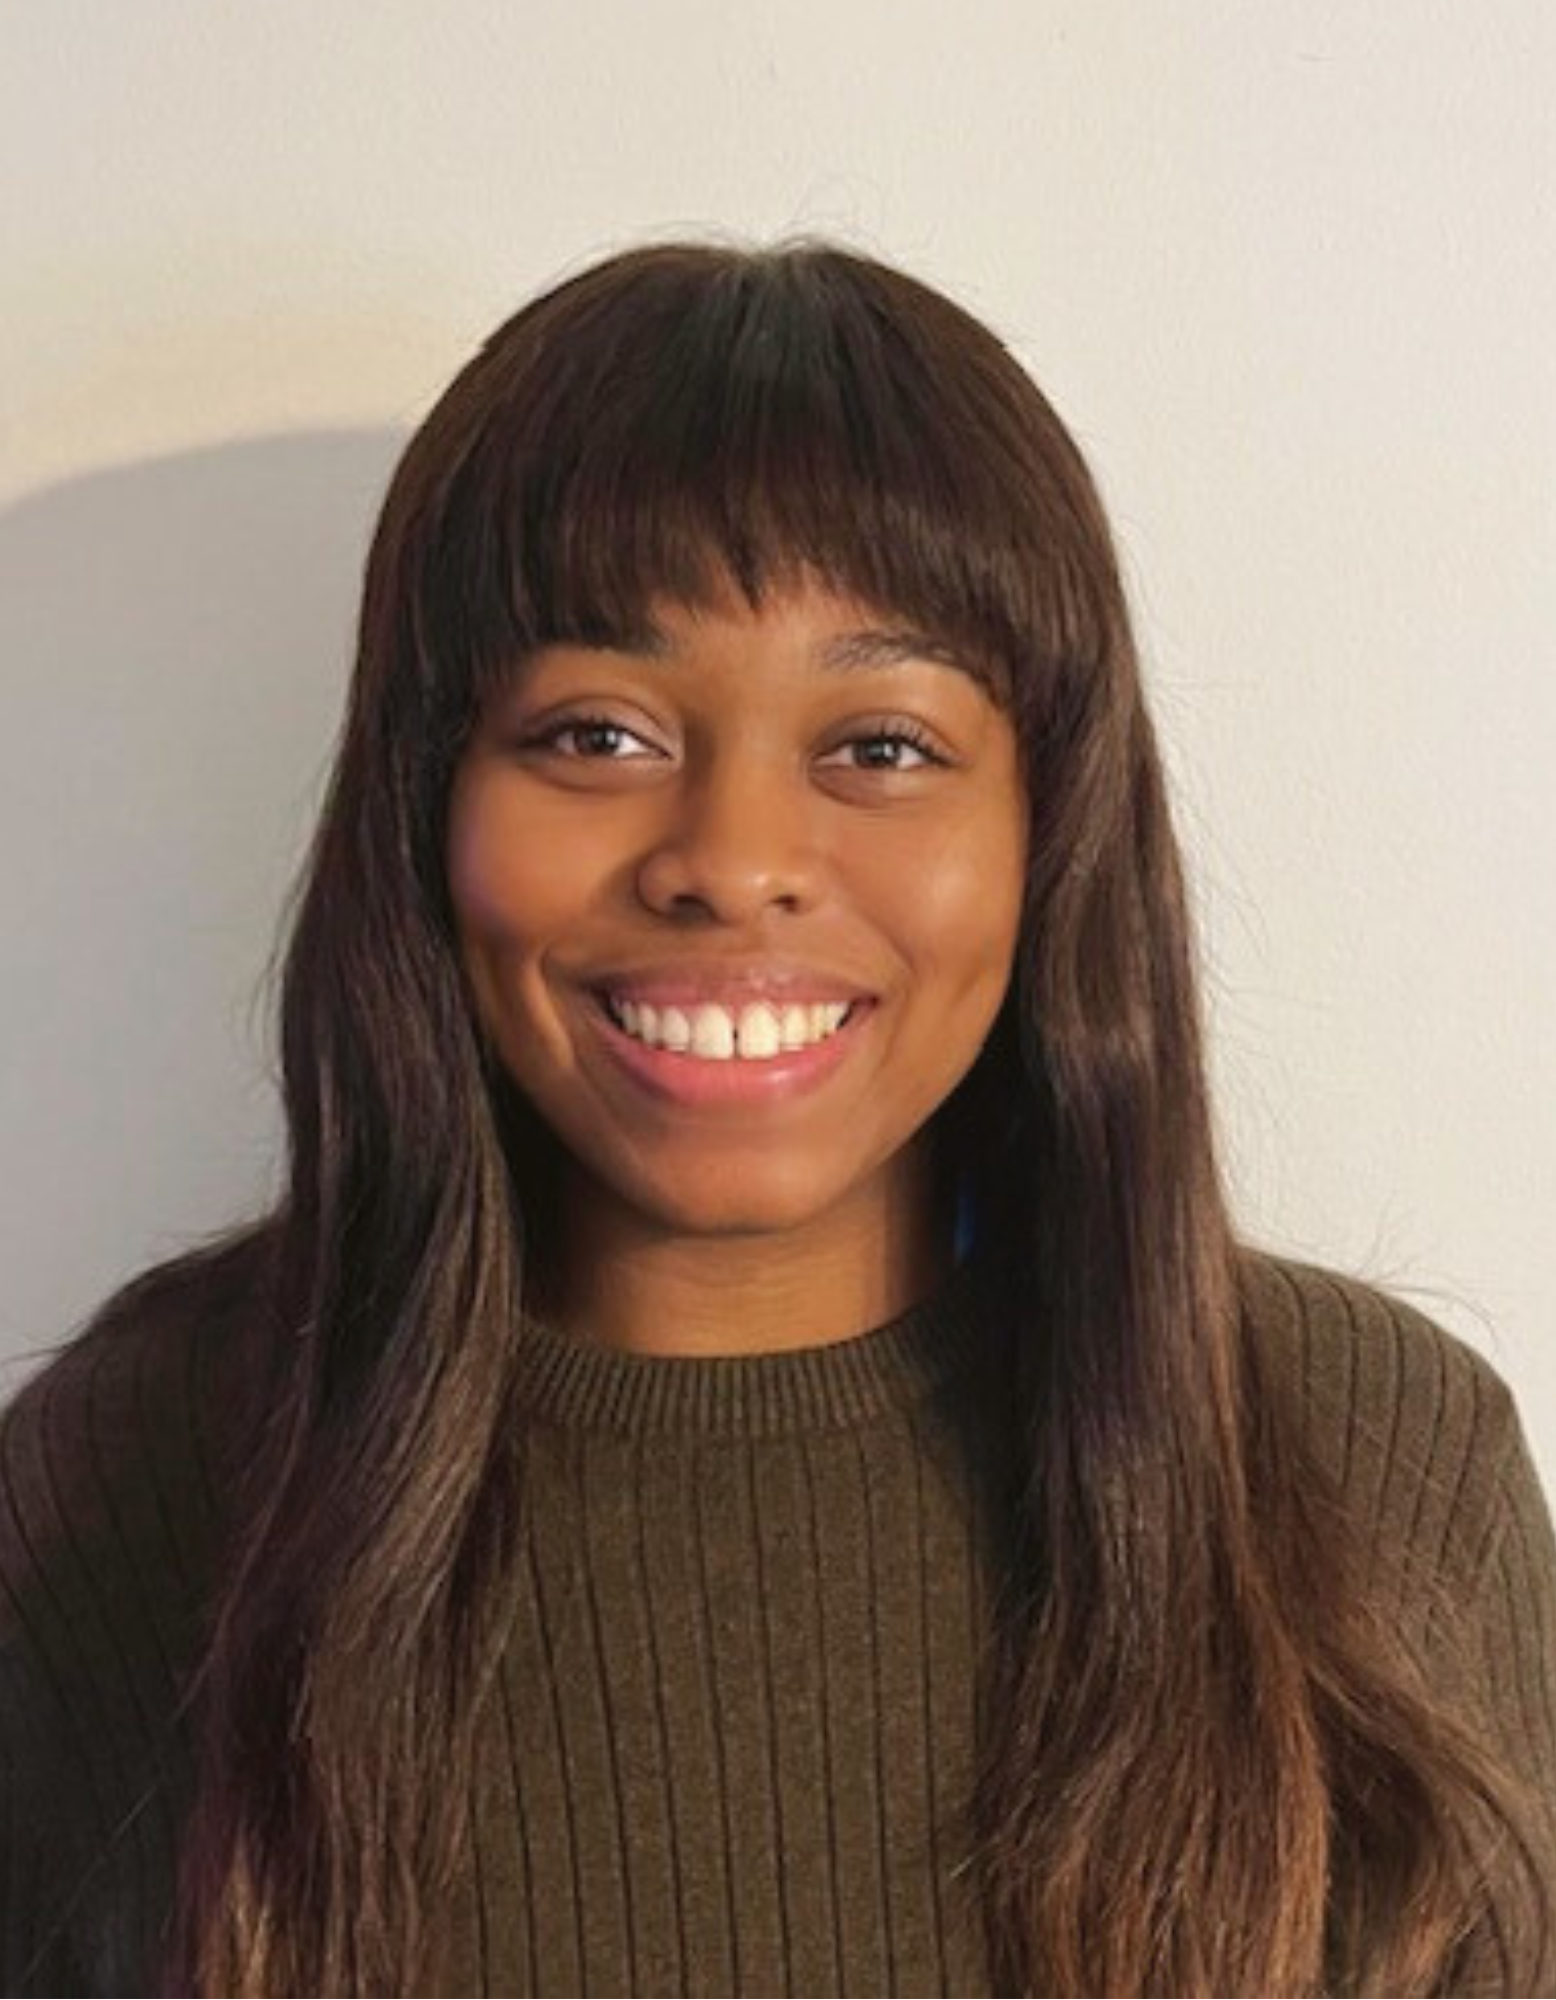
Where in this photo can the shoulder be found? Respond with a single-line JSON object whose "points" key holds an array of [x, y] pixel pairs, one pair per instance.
{"points": [[115, 1456], [117, 1462], [1425, 1442], [1419, 1430]]}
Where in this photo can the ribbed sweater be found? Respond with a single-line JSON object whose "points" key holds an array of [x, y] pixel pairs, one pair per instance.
{"points": [[734, 1738]]}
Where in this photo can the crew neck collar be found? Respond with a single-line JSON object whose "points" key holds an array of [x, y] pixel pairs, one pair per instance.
{"points": [[570, 1382]]}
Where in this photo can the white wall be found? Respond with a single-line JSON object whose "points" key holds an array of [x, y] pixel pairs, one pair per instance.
{"points": [[1287, 269]]}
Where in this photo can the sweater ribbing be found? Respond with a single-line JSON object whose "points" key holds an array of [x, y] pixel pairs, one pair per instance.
{"points": [[732, 1744], [577, 1384]]}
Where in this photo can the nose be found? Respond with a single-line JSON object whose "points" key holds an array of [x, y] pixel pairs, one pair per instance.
{"points": [[737, 836]]}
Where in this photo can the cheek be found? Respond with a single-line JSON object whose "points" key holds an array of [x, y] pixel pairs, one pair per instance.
{"points": [[955, 915], [510, 876], [515, 887]]}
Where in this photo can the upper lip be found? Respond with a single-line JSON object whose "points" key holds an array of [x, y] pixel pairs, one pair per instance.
{"points": [[728, 985]]}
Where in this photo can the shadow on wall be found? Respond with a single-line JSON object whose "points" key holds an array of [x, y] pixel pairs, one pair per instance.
{"points": [[175, 643]]}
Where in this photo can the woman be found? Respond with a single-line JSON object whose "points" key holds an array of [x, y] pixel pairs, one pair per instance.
{"points": [[751, 1457]]}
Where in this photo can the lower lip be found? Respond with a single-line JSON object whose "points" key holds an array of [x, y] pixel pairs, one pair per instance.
{"points": [[696, 1080]]}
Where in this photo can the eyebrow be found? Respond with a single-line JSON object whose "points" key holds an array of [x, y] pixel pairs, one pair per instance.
{"points": [[846, 652]]}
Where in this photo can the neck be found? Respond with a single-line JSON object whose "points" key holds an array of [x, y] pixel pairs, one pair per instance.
{"points": [[621, 1282]]}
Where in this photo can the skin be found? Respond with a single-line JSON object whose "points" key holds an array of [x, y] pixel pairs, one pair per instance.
{"points": [[742, 803]]}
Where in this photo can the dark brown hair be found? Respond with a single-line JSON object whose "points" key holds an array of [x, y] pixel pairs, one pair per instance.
{"points": [[1281, 1805]]}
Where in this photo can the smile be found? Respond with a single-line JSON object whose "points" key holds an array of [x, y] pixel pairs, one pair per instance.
{"points": [[709, 1055], [712, 1033]]}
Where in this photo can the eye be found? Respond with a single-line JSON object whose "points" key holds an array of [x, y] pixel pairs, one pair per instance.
{"points": [[585, 726], [897, 731]]}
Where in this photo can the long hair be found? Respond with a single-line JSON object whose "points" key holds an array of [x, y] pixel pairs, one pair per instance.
{"points": [[1208, 1766]]}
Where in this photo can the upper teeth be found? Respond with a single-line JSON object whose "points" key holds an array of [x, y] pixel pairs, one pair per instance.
{"points": [[721, 1033]]}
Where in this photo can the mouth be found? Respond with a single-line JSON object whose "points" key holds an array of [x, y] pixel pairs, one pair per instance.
{"points": [[709, 1069], [615, 1010]]}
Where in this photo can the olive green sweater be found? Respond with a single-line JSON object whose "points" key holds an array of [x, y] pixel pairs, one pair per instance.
{"points": [[733, 1742]]}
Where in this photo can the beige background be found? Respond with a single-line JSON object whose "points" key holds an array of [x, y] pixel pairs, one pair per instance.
{"points": [[1289, 271]]}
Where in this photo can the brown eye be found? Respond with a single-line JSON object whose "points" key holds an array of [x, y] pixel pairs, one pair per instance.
{"points": [[899, 733], [588, 728]]}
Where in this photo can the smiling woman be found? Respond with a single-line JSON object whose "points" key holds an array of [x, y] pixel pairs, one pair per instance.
{"points": [[751, 1456]]}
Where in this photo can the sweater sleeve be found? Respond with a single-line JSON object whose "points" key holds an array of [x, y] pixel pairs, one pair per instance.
{"points": [[35, 1866], [46, 1761], [106, 1517], [1423, 1437], [1512, 1656]]}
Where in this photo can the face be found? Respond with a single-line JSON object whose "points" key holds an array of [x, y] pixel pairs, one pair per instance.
{"points": [[766, 812]]}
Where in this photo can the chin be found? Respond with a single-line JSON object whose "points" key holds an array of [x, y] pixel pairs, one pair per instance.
{"points": [[735, 1217], [734, 1204]]}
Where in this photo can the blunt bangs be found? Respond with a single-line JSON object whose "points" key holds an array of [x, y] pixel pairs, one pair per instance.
{"points": [[692, 419]]}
